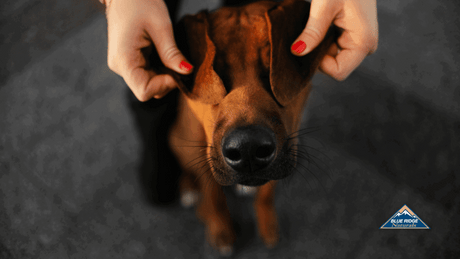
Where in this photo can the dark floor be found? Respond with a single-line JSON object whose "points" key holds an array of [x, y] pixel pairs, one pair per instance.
{"points": [[69, 149]]}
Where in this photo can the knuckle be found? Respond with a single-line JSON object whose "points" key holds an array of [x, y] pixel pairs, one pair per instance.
{"points": [[374, 45], [370, 41], [141, 95], [139, 90], [341, 74], [115, 63], [170, 53], [341, 77], [313, 33], [111, 63], [346, 73]]}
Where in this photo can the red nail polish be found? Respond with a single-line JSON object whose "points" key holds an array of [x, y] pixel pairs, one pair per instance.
{"points": [[299, 47], [184, 65]]}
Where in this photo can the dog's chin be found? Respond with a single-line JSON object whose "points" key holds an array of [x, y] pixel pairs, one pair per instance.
{"points": [[246, 181], [230, 178], [226, 178], [253, 181]]}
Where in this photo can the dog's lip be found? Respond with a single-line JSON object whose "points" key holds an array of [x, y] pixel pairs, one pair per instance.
{"points": [[253, 181], [265, 176], [259, 176]]}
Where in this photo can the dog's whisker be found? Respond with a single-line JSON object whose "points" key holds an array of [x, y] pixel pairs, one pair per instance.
{"points": [[201, 146], [313, 160], [202, 156], [299, 164], [205, 174], [305, 128], [285, 182], [291, 163], [314, 149], [205, 162], [209, 177], [181, 138], [316, 139], [303, 131], [311, 172], [315, 128], [303, 155], [309, 157], [300, 173]]}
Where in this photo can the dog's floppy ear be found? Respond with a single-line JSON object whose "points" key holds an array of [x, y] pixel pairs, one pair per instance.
{"points": [[193, 40], [289, 74]]}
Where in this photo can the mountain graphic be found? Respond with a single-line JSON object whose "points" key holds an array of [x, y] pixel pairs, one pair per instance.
{"points": [[404, 214], [405, 219]]}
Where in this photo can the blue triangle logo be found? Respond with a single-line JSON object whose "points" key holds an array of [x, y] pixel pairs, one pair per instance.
{"points": [[404, 218]]}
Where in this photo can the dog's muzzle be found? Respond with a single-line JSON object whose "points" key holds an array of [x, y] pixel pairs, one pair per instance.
{"points": [[249, 150]]}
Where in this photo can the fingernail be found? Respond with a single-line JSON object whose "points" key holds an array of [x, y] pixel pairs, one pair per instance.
{"points": [[184, 65], [299, 47]]}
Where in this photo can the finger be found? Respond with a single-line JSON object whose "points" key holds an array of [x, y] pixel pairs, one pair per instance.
{"points": [[131, 65], [146, 84], [161, 32], [333, 50], [341, 66], [322, 14], [169, 53]]}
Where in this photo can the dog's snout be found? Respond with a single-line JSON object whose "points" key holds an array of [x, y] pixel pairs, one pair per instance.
{"points": [[248, 149]]}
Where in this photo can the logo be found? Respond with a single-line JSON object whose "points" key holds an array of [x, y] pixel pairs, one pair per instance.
{"points": [[404, 218]]}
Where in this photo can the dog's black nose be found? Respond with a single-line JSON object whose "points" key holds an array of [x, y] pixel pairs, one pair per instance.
{"points": [[248, 149]]}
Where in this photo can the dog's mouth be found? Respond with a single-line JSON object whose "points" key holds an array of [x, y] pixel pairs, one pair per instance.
{"points": [[252, 181]]}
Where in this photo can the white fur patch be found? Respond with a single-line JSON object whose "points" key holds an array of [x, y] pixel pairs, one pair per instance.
{"points": [[189, 198], [242, 190]]}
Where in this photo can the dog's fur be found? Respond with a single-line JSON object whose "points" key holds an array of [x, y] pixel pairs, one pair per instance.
{"points": [[244, 76]]}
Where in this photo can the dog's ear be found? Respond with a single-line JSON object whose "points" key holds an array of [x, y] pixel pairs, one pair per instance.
{"points": [[193, 40], [289, 74]]}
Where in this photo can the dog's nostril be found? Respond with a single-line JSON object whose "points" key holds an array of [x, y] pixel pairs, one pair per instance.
{"points": [[232, 154], [249, 149], [265, 151]]}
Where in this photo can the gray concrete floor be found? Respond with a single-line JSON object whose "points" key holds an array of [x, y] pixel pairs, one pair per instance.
{"points": [[69, 149]]}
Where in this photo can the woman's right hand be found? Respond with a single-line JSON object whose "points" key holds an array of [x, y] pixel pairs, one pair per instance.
{"points": [[132, 26]]}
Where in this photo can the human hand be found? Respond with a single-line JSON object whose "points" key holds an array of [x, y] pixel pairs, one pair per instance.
{"points": [[358, 19], [134, 25]]}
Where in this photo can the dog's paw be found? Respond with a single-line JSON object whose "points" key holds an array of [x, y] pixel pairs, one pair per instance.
{"points": [[188, 199], [270, 237], [226, 251], [221, 239], [270, 234], [242, 190]]}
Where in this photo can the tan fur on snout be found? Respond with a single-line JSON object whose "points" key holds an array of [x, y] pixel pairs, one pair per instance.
{"points": [[245, 76]]}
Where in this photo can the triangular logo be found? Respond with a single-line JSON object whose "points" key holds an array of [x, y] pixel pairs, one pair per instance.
{"points": [[404, 218]]}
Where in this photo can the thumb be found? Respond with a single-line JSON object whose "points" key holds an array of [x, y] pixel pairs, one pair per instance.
{"points": [[322, 13], [170, 55]]}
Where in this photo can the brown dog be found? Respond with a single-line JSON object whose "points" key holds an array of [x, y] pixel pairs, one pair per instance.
{"points": [[238, 110]]}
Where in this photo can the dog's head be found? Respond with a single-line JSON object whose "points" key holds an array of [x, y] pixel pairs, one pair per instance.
{"points": [[247, 89]]}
